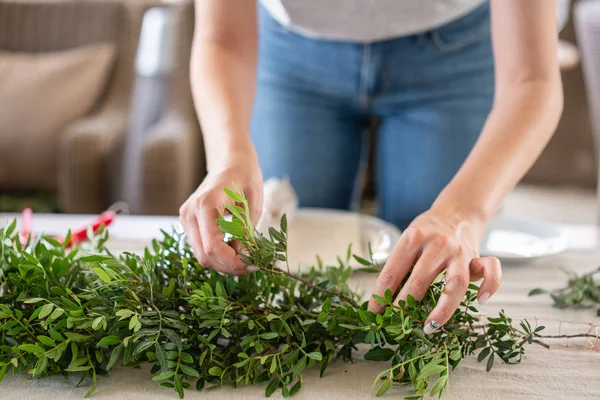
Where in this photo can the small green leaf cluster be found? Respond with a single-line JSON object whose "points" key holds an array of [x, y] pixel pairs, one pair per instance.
{"points": [[86, 311], [582, 291]]}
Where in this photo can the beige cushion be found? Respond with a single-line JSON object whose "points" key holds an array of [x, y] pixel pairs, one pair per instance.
{"points": [[40, 94]]}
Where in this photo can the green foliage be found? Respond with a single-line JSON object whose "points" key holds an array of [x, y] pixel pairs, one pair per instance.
{"points": [[84, 311], [582, 291]]}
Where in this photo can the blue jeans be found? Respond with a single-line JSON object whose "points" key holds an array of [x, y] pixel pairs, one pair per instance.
{"points": [[429, 92]]}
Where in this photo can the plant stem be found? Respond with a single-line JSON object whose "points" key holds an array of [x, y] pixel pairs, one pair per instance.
{"points": [[311, 285]]}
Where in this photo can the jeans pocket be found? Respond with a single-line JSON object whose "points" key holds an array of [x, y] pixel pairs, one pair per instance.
{"points": [[470, 29]]}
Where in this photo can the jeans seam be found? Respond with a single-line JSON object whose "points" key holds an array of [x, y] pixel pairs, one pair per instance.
{"points": [[365, 70], [362, 166]]}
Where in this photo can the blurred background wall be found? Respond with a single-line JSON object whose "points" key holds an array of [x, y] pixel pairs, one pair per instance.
{"points": [[134, 135]]}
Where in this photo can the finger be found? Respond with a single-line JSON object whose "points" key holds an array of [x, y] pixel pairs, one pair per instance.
{"points": [[457, 282], [491, 270], [397, 266], [213, 245], [193, 236], [426, 269]]}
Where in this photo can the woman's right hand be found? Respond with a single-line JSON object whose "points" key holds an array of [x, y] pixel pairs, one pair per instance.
{"points": [[200, 211]]}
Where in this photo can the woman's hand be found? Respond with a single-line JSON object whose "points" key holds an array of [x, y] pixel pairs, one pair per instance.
{"points": [[439, 241], [199, 212]]}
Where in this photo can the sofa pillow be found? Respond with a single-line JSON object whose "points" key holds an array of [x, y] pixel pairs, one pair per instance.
{"points": [[40, 94]]}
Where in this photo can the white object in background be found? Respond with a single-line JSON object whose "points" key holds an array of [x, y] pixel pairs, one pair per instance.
{"points": [[279, 198], [516, 240], [154, 64], [564, 9], [328, 233], [587, 27], [156, 49]]}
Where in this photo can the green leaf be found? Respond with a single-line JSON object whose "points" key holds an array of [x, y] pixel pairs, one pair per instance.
{"points": [[133, 322], [269, 335], [102, 274], [95, 258], [271, 387], [4, 369], [10, 228], [389, 296], [53, 242], [161, 355], [483, 354], [326, 305], [537, 291], [362, 261], [215, 371], [296, 387], [273, 364], [31, 348], [163, 376], [283, 223], [455, 355], [315, 355], [76, 337], [178, 386], [233, 195], [220, 290], [109, 340], [189, 371], [142, 347], [173, 337], [380, 300], [45, 340], [379, 354], [439, 386], [33, 300], [299, 367], [490, 363], [385, 386], [114, 356], [370, 270], [46, 310]]}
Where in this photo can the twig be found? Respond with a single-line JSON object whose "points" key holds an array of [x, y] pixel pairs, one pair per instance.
{"points": [[312, 285], [579, 335]]}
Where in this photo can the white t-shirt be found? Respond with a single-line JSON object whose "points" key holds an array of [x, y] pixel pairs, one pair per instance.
{"points": [[366, 20]]}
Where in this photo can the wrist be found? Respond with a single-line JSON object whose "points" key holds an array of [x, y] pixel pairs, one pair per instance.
{"points": [[234, 153], [460, 211]]}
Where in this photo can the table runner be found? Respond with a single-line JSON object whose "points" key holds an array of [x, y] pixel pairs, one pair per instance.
{"points": [[559, 373]]}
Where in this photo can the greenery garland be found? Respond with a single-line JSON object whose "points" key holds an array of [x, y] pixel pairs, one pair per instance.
{"points": [[85, 310]]}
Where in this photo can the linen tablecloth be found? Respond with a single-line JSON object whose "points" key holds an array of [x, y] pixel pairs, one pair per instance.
{"points": [[564, 372]]}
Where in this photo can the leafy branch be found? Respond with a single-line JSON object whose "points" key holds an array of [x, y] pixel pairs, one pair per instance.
{"points": [[85, 310], [582, 291]]}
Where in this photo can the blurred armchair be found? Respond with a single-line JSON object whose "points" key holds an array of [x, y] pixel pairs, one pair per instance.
{"points": [[173, 162], [87, 149]]}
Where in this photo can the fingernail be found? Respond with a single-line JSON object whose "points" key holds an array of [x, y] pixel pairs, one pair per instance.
{"points": [[483, 298], [252, 269], [431, 327]]}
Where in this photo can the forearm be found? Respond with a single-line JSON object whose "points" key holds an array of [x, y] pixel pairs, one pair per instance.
{"points": [[223, 81], [518, 128]]}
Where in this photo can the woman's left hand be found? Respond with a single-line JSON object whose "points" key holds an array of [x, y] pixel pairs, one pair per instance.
{"points": [[435, 242]]}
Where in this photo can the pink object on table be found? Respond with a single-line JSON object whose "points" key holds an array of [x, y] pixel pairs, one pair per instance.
{"points": [[80, 235], [26, 225]]}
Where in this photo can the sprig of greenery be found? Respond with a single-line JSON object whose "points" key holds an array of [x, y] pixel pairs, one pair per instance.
{"points": [[582, 291], [85, 310]]}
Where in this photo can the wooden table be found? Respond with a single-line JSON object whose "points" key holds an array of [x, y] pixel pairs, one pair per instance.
{"points": [[564, 372]]}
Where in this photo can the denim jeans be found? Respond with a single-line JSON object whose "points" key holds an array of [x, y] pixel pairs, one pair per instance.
{"points": [[430, 94]]}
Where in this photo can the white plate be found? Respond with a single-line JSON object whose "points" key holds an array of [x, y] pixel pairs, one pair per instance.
{"points": [[516, 240], [328, 233]]}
